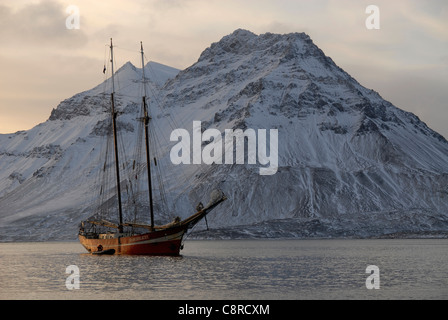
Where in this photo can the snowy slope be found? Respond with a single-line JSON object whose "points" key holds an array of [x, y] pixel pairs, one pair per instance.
{"points": [[348, 159], [48, 174], [350, 163]]}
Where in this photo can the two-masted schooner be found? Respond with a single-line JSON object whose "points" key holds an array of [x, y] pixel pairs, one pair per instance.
{"points": [[100, 236]]}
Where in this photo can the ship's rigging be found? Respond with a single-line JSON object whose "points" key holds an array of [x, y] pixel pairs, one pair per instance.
{"points": [[124, 178]]}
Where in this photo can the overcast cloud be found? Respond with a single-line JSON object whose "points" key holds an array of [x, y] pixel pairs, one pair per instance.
{"points": [[42, 62]]}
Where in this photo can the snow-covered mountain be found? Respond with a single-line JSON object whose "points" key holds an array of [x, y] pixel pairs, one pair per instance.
{"points": [[350, 163]]}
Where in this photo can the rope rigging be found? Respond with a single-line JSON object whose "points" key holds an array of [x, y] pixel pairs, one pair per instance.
{"points": [[133, 164]]}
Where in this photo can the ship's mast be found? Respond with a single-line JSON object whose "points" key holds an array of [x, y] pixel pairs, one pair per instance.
{"points": [[146, 119], [114, 127]]}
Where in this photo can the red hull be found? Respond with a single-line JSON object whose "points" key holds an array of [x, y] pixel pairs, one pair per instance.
{"points": [[165, 242]]}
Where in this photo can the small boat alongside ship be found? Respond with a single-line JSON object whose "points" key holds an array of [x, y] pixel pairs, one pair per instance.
{"points": [[100, 251]]}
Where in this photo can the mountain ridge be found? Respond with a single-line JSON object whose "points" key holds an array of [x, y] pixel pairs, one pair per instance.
{"points": [[350, 163]]}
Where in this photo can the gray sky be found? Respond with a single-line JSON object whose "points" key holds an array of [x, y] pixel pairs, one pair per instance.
{"points": [[42, 62]]}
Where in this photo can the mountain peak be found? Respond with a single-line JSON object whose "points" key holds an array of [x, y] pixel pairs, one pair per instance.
{"points": [[286, 47], [241, 34], [127, 66], [82, 104], [232, 43]]}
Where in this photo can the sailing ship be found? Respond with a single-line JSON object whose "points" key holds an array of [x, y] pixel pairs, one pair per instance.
{"points": [[103, 236]]}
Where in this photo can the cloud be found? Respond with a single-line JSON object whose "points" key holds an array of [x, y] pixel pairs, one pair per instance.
{"points": [[42, 23], [430, 16], [413, 39]]}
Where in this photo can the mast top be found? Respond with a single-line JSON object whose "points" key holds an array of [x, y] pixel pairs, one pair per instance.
{"points": [[143, 69], [112, 64]]}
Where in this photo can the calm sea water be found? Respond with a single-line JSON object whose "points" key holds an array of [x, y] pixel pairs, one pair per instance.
{"points": [[246, 270]]}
